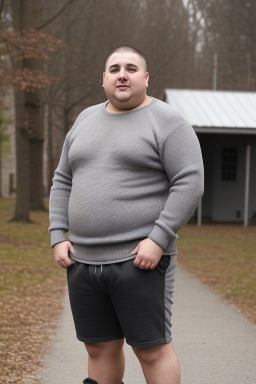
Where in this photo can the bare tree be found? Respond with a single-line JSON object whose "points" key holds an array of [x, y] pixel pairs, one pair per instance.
{"points": [[29, 108], [228, 32]]}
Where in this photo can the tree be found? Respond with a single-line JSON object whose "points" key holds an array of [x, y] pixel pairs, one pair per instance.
{"points": [[3, 141], [27, 73], [227, 32]]}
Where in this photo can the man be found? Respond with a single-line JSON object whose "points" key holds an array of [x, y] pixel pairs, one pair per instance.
{"points": [[129, 177]]}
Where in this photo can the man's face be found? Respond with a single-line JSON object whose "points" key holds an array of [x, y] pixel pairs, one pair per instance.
{"points": [[125, 80]]}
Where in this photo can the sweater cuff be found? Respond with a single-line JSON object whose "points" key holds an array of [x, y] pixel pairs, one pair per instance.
{"points": [[57, 236], [161, 237]]}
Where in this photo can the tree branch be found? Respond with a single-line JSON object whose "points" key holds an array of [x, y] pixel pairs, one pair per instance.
{"points": [[56, 15]]}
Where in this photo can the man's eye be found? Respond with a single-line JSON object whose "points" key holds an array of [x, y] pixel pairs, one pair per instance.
{"points": [[113, 70], [132, 69]]}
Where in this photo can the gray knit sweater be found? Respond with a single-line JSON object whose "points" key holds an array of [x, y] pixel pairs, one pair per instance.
{"points": [[125, 177]]}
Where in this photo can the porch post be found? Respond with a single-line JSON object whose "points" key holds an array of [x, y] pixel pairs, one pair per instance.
{"points": [[247, 184], [199, 214]]}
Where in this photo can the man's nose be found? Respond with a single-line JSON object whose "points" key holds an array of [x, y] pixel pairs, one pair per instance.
{"points": [[122, 74]]}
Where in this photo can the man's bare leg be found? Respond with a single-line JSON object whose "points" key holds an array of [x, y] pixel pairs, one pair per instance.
{"points": [[106, 361], [159, 364]]}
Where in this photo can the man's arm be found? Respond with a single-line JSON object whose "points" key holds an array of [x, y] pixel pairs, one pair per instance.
{"points": [[58, 207], [181, 157]]}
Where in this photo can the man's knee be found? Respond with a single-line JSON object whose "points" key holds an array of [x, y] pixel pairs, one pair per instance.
{"points": [[93, 349], [108, 348], [154, 354], [147, 355]]}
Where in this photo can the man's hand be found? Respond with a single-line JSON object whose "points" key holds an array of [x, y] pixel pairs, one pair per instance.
{"points": [[61, 251], [148, 254]]}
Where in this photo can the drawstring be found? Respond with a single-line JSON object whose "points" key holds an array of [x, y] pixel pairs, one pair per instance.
{"points": [[101, 269]]}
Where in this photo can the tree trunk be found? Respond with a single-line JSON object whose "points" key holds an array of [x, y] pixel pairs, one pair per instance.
{"points": [[36, 150], [29, 122], [36, 175], [50, 168], [22, 161]]}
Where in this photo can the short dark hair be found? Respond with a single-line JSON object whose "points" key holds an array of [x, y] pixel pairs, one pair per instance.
{"points": [[128, 48]]}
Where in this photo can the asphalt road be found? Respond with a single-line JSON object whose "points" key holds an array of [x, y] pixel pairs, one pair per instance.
{"points": [[215, 343]]}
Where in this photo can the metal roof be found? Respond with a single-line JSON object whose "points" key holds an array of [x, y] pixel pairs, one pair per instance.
{"points": [[216, 111]]}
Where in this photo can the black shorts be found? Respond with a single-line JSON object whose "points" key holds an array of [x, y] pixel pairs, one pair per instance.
{"points": [[113, 301]]}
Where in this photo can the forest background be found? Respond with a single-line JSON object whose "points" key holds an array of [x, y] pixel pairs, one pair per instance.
{"points": [[53, 56]]}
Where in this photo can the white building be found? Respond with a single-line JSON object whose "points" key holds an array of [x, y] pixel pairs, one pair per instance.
{"points": [[225, 122]]}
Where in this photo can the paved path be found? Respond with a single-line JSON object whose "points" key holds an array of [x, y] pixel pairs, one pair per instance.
{"points": [[215, 344]]}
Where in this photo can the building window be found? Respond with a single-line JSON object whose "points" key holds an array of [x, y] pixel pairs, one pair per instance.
{"points": [[229, 164]]}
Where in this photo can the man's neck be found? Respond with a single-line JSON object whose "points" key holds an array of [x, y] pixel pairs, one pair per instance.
{"points": [[112, 109]]}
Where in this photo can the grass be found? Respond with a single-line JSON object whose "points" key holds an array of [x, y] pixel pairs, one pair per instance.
{"points": [[32, 285], [224, 258], [31, 288]]}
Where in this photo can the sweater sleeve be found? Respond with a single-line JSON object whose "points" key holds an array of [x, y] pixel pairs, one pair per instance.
{"points": [[59, 198], [181, 157]]}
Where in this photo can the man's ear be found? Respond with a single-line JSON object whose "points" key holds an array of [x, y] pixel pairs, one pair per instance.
{"points": [[147, 78]]}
